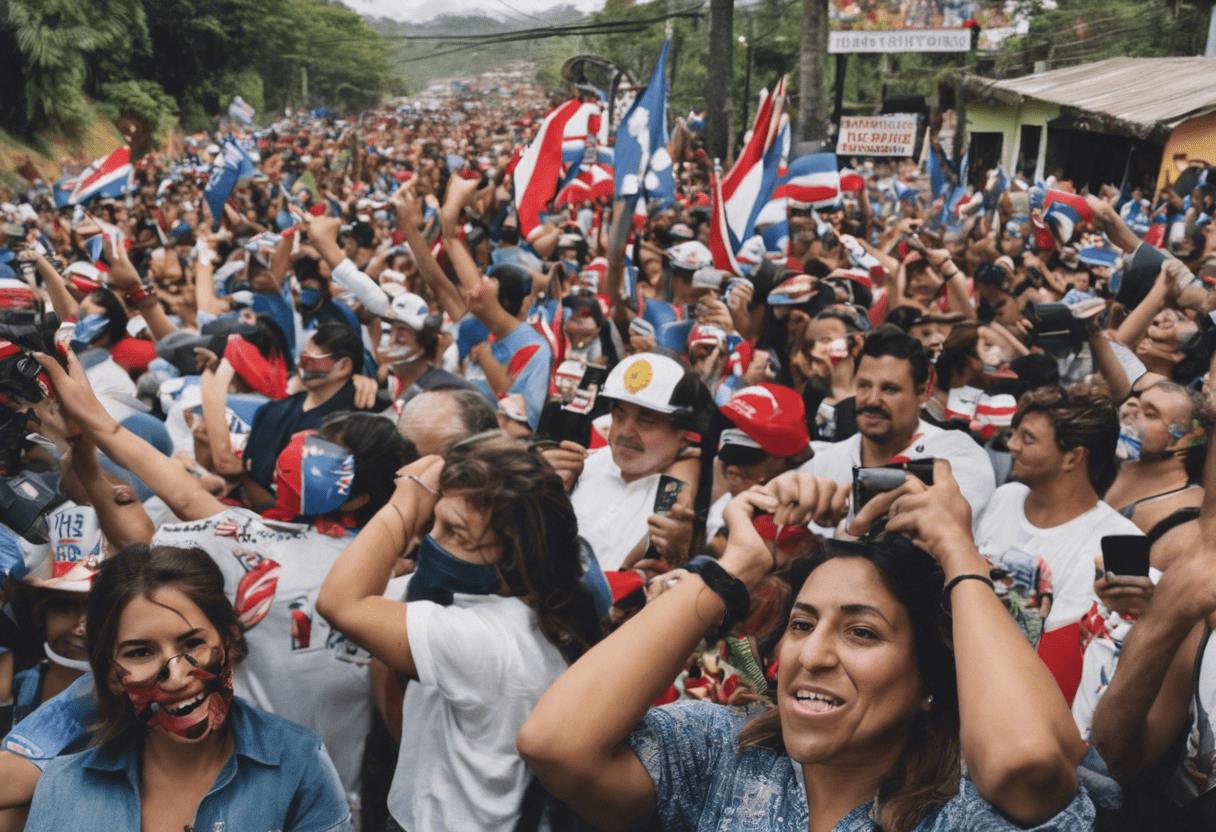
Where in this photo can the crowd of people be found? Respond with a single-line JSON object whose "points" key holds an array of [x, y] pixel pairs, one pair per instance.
{"points": [[342, 503]]}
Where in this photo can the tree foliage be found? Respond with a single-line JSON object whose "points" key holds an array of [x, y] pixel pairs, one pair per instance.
{"points": [[157, 59]]}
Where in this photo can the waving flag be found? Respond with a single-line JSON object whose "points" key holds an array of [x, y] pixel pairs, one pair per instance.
{"points": [[812, 180], [230, 167], [238, 110], [720, 245], [109, 177], [539, 168], [590, 185], [63, 190], [641, 163], [751, 181], [775, 210]]}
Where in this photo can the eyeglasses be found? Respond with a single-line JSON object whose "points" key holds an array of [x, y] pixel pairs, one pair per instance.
{"points": [[148, 670]]}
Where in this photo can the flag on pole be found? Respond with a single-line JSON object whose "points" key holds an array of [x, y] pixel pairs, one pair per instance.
{"points": [[750, 183], [231, 166], [238, 110], [642, 164], [812, 180], [109, 177], [539, 168], [720, 245]]}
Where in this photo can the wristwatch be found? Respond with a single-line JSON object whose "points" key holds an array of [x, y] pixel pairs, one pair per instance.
{"points": [[731, 590]]}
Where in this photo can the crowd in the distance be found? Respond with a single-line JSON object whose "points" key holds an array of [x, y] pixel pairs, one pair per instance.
{"points": [[347, 505]]}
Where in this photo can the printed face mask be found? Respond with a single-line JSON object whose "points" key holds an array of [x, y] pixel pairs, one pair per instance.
{"points": [[439, 574], [1128, 448], [88, 329], [194, 717]]}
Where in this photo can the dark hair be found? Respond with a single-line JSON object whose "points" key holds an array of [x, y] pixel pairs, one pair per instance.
{"points": [[269, 339], [514, 286], [308, 268], [889, 340], [342, 342], [1083, 416], [927, 772], [476, 414], [137, 571], [535, 522], [116, 316], [379, 450]]}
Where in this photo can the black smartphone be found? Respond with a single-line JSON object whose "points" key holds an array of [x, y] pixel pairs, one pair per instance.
{"points": [[1126, 554], [870, 482]]}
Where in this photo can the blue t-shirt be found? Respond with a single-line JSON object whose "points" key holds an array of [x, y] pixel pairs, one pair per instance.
{"points": [[703, 783], [278, 777]]}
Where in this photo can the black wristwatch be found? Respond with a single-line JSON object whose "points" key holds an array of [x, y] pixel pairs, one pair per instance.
{"points": [[732, 590]]}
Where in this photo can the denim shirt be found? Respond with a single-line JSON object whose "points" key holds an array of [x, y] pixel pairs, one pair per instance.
{"points": [[57, 726], [702, 783], [278, 778]]}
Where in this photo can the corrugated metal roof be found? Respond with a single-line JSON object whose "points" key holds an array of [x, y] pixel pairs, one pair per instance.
{"points": [[1142, 91]]}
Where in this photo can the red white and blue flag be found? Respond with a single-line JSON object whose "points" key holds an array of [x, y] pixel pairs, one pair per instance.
{"points": [[750, 183], [240, 111], [109, 177], [540, 167], [588, 186], [720, 245]]}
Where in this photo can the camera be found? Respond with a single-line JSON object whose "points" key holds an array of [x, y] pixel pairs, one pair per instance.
{"points": [[1055, 329], [28, 489]]}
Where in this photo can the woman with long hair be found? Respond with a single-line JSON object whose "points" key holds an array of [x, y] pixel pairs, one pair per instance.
{"points": [[897, 663], [494, 612], [174, 748]]}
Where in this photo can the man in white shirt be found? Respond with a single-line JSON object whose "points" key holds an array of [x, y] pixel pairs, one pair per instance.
{"points": [[891, 379], [1042, 532], [657, 403]]}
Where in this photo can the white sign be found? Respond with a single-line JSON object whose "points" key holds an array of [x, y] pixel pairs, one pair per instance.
{"points": [[893, 135], [901, 40]]}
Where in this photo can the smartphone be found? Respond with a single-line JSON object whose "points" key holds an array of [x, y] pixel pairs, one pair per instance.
{"points": [[1126, 554], [669, 492], [868, 483]]}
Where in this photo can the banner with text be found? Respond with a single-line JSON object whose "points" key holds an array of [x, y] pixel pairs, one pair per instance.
{"points": [[919, 26], [892, 135]]}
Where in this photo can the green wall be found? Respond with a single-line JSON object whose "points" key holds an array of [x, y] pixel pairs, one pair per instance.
{"points": [[990, 116]]}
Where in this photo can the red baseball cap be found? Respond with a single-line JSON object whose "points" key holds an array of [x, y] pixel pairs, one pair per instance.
{"points": [[773, 416]]}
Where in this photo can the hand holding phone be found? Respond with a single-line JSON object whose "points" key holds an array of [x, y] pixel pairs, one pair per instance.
{"points": [[1126, 554]]}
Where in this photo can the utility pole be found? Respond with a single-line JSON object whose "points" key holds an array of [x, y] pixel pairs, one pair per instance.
{"points": [[812, 101], [718, 77]]}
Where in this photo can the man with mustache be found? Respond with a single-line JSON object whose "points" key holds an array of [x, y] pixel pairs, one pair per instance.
{"points": [[659, 408], [891, 383]]}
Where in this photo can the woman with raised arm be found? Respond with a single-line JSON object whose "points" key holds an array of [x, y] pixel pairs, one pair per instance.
{"points": [[873, 711], [494, 612]]}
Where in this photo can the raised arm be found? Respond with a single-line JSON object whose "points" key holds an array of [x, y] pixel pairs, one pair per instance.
{"points": [[352, 597], [1017, 733], [577, 738], [62, 302], [172, 483], [409, 221], [125, 281], [121, 516]]}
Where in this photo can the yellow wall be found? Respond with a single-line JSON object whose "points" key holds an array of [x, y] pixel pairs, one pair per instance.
{"points": [[1196, 138], [995, 117]]}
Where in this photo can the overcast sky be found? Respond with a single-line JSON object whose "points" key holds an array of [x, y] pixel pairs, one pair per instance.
{"points": [[420, 10]]}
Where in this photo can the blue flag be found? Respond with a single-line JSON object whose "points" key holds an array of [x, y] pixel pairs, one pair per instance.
{"points": [[642, 166], [230, 167]]}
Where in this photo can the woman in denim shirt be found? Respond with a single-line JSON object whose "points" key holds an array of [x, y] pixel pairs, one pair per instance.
{"points": [[175, 749], [879, 695]]}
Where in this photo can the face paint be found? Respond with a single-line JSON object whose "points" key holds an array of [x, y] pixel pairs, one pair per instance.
{"points": [[316, 366], [838, 351], [87, 331], [400, 355], [194, 718], [439, 574]]}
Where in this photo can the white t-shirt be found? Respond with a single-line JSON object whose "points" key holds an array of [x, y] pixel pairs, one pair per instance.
{"points": [[969, 462], [298, 667], [482, 666], [1005, 536], [612, 513]]}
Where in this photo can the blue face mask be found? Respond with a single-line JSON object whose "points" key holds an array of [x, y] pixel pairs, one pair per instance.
{"points": [[88, 329], [310, 298], [439, 574]]}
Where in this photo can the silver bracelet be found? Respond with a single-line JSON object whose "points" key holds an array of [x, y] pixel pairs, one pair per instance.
{"points": [[420, 482]]}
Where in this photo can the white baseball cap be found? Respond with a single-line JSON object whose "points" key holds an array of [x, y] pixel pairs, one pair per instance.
{"points": [[690, 256], [410, 310], [649, 380]]}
